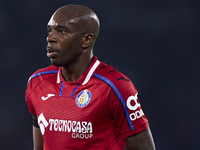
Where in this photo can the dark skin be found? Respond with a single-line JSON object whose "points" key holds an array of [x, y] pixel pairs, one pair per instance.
{"points": [[71, 40], [70, 43]]}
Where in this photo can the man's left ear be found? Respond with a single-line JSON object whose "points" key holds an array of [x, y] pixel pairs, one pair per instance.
{"points": [[87, 40]]}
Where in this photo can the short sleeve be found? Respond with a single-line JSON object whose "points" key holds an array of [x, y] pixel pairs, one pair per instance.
{"points": [[28, 99], [125, 108]]}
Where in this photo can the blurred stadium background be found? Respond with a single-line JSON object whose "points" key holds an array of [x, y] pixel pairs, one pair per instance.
{"points": [[155, 43]]}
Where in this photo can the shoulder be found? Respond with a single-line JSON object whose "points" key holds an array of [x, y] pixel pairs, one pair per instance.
{"points": [[115, 79], [42, 74]]}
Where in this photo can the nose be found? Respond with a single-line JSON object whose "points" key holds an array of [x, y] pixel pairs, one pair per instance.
{"points": [[51, 37]]}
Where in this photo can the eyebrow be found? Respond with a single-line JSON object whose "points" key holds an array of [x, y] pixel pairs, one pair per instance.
{"points": [[57, 26]]}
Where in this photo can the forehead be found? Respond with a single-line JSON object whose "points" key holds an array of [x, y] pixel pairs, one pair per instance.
{"points": [[62, 18]]}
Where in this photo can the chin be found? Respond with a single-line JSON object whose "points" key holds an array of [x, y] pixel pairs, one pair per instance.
{"points": [[55, 63]]}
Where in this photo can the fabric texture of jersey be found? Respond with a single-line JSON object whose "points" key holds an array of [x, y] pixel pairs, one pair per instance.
{"points": [[96, 112]]}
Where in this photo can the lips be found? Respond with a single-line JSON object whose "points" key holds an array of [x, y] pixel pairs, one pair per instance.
{"points": [[51, 51]]}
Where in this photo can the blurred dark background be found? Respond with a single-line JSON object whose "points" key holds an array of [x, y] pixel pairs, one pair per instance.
{"points": [[155, 43]]}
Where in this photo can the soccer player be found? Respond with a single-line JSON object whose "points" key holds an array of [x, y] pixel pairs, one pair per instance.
{"points": [[79, 102]]}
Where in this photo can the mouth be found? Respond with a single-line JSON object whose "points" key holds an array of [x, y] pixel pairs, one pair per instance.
{"points": [[51, 51]]}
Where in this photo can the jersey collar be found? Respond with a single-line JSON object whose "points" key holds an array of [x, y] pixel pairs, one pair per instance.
{"points": [[86, 75]]}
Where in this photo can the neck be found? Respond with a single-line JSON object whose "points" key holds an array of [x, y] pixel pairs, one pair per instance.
{"points": [[75, 71]]}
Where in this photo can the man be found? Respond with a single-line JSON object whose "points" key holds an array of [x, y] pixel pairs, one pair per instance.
{"points": [[79, 102]]}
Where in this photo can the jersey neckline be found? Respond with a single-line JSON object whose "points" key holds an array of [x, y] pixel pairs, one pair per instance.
{"points": [[83, 80]]}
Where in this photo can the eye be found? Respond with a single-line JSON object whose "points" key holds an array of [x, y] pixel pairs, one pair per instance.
{"points": [[61, 31], [48, 31]]}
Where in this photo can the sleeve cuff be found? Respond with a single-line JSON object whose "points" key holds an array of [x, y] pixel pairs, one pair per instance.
{"points": [[140, 129]]}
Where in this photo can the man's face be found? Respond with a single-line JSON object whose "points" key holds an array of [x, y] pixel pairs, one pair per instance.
{"points": [[64, 40]]}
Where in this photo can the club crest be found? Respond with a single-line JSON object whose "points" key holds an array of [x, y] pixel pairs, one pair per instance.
{"points": [[83, 98]]}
